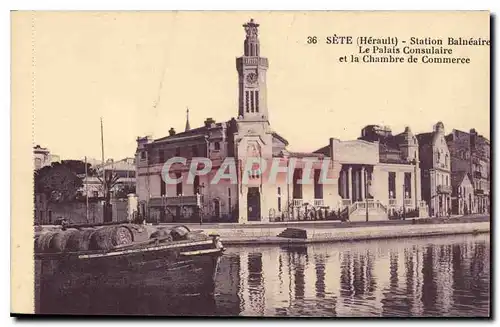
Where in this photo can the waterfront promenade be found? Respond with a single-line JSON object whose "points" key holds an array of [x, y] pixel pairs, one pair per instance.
{"points": [[335, 231], [254, 233]]}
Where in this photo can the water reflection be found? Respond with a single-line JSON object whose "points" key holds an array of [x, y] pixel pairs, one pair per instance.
{"points": [[447, 276]]}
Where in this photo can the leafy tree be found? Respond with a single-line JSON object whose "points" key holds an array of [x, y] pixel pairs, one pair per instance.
{"points": [[109, 180], [60, 181], [122, 190], [57, 182], [78, 167]]}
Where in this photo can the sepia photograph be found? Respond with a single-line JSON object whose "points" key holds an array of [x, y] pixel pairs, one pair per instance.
{"points": [[251, 163]]}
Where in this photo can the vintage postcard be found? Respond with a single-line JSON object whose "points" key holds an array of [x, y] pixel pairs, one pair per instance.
{"points": [[298, 164]]}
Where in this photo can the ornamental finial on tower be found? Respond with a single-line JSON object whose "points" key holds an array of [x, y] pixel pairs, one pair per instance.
{"points": [[252, 47], [251, 28]]}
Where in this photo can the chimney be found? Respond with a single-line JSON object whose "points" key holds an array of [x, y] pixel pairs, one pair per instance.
{"points": [[473, 138], [142, 141], [171, 132], [209, 122]]}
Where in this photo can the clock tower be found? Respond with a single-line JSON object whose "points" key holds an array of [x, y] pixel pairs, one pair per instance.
{"points": [[252, 100]]}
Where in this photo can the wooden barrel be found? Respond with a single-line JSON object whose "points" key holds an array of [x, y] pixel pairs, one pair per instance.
{"points": [[84, 244], [105, 238], [194, 236], [59, 240], [74, 240], [179, 232], [139, 232], [161, 233], [42, 244], [35, 242]]}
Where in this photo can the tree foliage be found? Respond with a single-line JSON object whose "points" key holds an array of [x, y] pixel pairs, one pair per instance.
{"points": [[61, 181]]}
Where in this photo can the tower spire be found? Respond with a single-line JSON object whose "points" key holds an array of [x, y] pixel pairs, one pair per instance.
{"points": [[188, 127], [252, 46], [252, 68]]}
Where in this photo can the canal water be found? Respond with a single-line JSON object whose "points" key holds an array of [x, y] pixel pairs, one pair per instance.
{"points": [[438, 276]]}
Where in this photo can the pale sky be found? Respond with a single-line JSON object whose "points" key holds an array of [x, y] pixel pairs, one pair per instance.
{"points": [[139, 71]]}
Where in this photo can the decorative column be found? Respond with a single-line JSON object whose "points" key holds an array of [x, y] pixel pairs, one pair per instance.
{"points": [[344, 183], [415, 186], [349, 183], [242, 206], [363, 186]]}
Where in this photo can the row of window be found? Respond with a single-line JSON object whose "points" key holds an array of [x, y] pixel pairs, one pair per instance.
{"points": [[481, 185], [179, 187], [125, 173], [461, 191], [443, 180], [297, 188], [463, 154], [439, 157], [251, 49], [195, 151], [196, 188], [393, 191]]}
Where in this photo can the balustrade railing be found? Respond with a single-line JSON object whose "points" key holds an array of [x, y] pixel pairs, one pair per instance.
{"points": [[180, 200], [382, 206], [318, 202], [444, 189], [346, 202]]}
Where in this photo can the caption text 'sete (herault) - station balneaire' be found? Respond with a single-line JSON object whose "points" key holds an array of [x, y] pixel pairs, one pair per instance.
{"points": [[392, 49]]}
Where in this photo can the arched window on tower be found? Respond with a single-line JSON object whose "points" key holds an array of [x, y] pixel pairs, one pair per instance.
{"points": [[247, 106], [256, 101], [252, 103]]}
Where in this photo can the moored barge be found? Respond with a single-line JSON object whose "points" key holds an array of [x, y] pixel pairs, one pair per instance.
{"points": [[120, 269]]}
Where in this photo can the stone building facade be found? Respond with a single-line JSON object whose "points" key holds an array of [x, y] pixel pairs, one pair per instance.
{"points": [[470, 154], [125, 171], [366, 177], [397, 175], [42, 157], [462, 193], [248, 136], [436, 171]]}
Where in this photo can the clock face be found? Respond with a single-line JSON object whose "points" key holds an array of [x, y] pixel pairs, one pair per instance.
{"points": [[252, 78]]}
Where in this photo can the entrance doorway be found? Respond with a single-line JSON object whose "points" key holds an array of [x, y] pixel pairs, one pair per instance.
{"points": [[253, 204], [216, 209]]}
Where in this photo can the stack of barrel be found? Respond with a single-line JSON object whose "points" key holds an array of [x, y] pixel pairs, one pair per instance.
{"points": [[89, 239], [105, 238]]}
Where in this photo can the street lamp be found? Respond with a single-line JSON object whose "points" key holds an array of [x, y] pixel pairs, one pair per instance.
{"points": [[366, 192], [404, 200], [200, 211], [163, 209]]}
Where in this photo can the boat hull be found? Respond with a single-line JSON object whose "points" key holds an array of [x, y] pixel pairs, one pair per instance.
{"points": [[156, 280]]}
